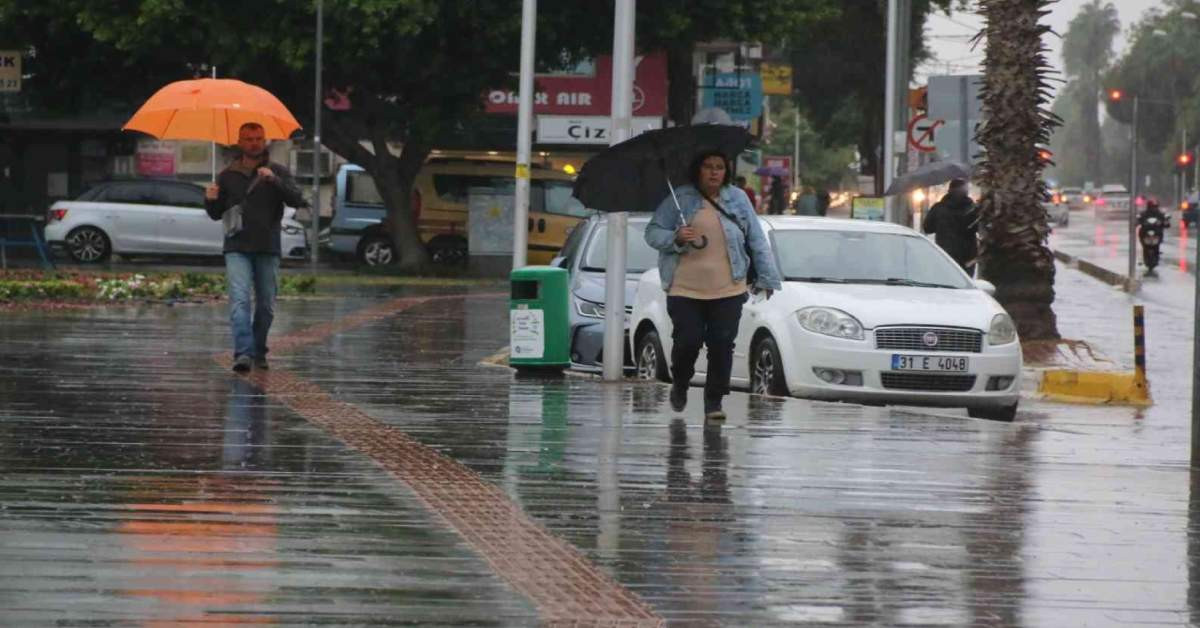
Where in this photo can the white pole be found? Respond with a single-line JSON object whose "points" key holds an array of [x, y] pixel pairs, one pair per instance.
{"points": [[796, 150], [622, 112], [524, 134], [1133, 194], [889, 116], [315, 209]]}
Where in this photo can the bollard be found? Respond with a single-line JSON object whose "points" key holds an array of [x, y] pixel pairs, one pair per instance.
{"points": [[1139, 341]]}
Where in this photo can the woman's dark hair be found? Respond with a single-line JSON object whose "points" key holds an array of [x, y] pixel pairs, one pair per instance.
{"points": [[698, 160]]}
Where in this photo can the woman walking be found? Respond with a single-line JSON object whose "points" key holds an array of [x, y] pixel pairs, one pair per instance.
{"points": [[704, 258]]}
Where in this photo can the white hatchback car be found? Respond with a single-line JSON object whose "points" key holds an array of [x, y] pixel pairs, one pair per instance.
{"points": [[870, 312], [147, 217]]}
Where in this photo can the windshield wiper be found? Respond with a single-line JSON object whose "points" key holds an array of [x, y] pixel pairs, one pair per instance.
{"points": [[899, 281], [817, 279]]}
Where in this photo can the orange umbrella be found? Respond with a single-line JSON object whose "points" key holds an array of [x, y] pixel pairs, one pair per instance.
{"points": [[211, 110]]}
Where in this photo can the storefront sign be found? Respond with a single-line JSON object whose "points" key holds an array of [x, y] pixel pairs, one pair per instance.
{"points": [[586, 129], [155, 159], [776, 79], [590, 95], [740, 94], [867, 207], [10, 71]]}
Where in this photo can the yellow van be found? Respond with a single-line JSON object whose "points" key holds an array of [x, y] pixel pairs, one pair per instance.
{"points": [[440, 204]]}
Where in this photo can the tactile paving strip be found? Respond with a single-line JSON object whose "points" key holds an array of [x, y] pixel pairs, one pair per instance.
{"points": [[566, 588]]}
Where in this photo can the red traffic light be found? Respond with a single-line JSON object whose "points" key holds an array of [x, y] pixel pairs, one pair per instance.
{"points": [[1115, 94], [1045, 155], [1184, 159]]}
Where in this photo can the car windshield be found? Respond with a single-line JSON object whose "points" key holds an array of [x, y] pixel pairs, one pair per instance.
{"points": [[639, 257], [864, 257]]}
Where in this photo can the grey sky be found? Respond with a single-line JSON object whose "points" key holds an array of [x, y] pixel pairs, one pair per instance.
{"points": [[949, 37]]}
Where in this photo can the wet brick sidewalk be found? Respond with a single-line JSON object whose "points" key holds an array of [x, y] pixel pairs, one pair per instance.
{"points": [[141, 483]]}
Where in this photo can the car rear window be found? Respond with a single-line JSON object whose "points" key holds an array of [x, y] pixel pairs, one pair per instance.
{"points": [[361, 190], [179, 195], [136, 193]]}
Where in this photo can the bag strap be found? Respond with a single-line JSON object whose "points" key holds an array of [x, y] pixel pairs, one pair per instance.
{"points": [[728, 215]]}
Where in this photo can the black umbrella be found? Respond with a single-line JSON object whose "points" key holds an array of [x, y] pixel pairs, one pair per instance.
{"points": [[935, 173], [637, 174]]}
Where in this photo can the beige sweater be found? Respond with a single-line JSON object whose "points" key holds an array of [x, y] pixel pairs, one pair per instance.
{"points": [[706, 273]]}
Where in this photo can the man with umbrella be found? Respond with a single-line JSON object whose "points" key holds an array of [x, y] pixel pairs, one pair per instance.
{"points": [[954, 223], [249, 197]]}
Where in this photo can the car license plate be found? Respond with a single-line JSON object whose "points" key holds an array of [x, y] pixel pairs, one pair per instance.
{"points": [[937, 363]]}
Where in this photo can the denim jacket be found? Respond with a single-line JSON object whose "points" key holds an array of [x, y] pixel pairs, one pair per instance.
{"points": [[660, 235]]}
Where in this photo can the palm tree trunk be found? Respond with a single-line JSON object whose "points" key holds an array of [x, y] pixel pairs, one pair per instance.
{"points": [[1014, 254]]}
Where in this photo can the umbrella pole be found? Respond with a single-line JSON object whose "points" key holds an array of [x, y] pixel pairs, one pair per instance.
{"points": [[682, 220], [213, 148]]}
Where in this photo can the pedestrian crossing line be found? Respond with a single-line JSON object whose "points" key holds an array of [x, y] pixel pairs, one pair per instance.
{"points": [[566, 588]]}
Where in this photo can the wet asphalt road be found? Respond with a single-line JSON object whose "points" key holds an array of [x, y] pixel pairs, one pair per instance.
{"points": [[143, 484]]}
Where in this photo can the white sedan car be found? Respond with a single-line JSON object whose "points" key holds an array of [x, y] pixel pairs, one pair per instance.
{"points": [[147, 217], [870, 312]]}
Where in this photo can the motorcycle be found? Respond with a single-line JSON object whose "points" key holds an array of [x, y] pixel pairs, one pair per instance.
{"points": [[1151, 236]]}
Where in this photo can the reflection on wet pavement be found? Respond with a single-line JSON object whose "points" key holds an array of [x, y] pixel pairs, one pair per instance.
{"points": [[140, 483]]}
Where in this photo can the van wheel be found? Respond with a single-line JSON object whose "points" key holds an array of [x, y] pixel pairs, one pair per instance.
{"points": [[448, 250], [651, 363], [376, 250]]}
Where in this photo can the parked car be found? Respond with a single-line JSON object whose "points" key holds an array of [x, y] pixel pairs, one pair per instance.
{"points": [[585, 256], [870, 312], [1113, 201], [440, 205], [147, 217]]}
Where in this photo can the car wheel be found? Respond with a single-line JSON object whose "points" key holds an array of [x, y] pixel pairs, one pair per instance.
{"points": [[651, 362], [88, 245], [376, 250], [766, 369], [994, 413]]}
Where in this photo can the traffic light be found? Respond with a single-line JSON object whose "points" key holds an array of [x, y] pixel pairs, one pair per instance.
{"points": [[1184, 160], [1115, 94], [1045, 156]]}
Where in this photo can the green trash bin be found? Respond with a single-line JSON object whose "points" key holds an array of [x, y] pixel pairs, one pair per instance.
{"points": [[539, 328]]}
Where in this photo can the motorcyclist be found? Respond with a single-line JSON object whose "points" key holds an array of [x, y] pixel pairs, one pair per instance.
{"points": [[1150, 247]]}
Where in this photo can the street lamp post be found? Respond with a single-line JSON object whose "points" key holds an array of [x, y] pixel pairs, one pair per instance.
{"points": [[1133, 195]]}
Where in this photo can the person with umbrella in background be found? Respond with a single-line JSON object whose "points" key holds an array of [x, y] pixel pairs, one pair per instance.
{"points": [[710, 246], [249, 197], [954, 222], [777, 200]]}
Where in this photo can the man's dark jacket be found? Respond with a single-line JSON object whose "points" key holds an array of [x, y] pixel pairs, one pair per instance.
{"points": [[262, 211], [954, 221]]}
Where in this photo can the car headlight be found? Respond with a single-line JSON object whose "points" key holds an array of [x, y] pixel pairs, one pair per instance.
{"points": [[1002, 331], [830, 322], [589, 309]]}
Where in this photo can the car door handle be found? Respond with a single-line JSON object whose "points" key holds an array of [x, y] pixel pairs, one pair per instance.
{"points": [[541, 225]]}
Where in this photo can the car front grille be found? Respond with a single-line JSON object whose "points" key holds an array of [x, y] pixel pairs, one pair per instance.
{"points": [[927, 382], [913, 339]]}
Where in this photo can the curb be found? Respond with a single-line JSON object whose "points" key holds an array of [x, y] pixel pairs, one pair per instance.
{"points": [[1098, 272], [1094, 388]]}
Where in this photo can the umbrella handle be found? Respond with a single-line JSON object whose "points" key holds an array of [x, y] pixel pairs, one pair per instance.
{"points": [[703, 243]]}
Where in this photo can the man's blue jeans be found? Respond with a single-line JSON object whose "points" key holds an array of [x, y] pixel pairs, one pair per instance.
{"points": [[244, 272]]}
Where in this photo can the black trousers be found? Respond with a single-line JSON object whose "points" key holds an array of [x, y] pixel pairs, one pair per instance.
{"points": [[709, 322]]}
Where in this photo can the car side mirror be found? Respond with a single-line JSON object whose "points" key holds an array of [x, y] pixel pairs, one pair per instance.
{"points": [[986, 286], [559, 261]]}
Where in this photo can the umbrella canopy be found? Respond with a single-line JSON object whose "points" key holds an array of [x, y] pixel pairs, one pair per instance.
{"points": [[637, 174], [930, 174], [211, 110], [772, 171]]}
